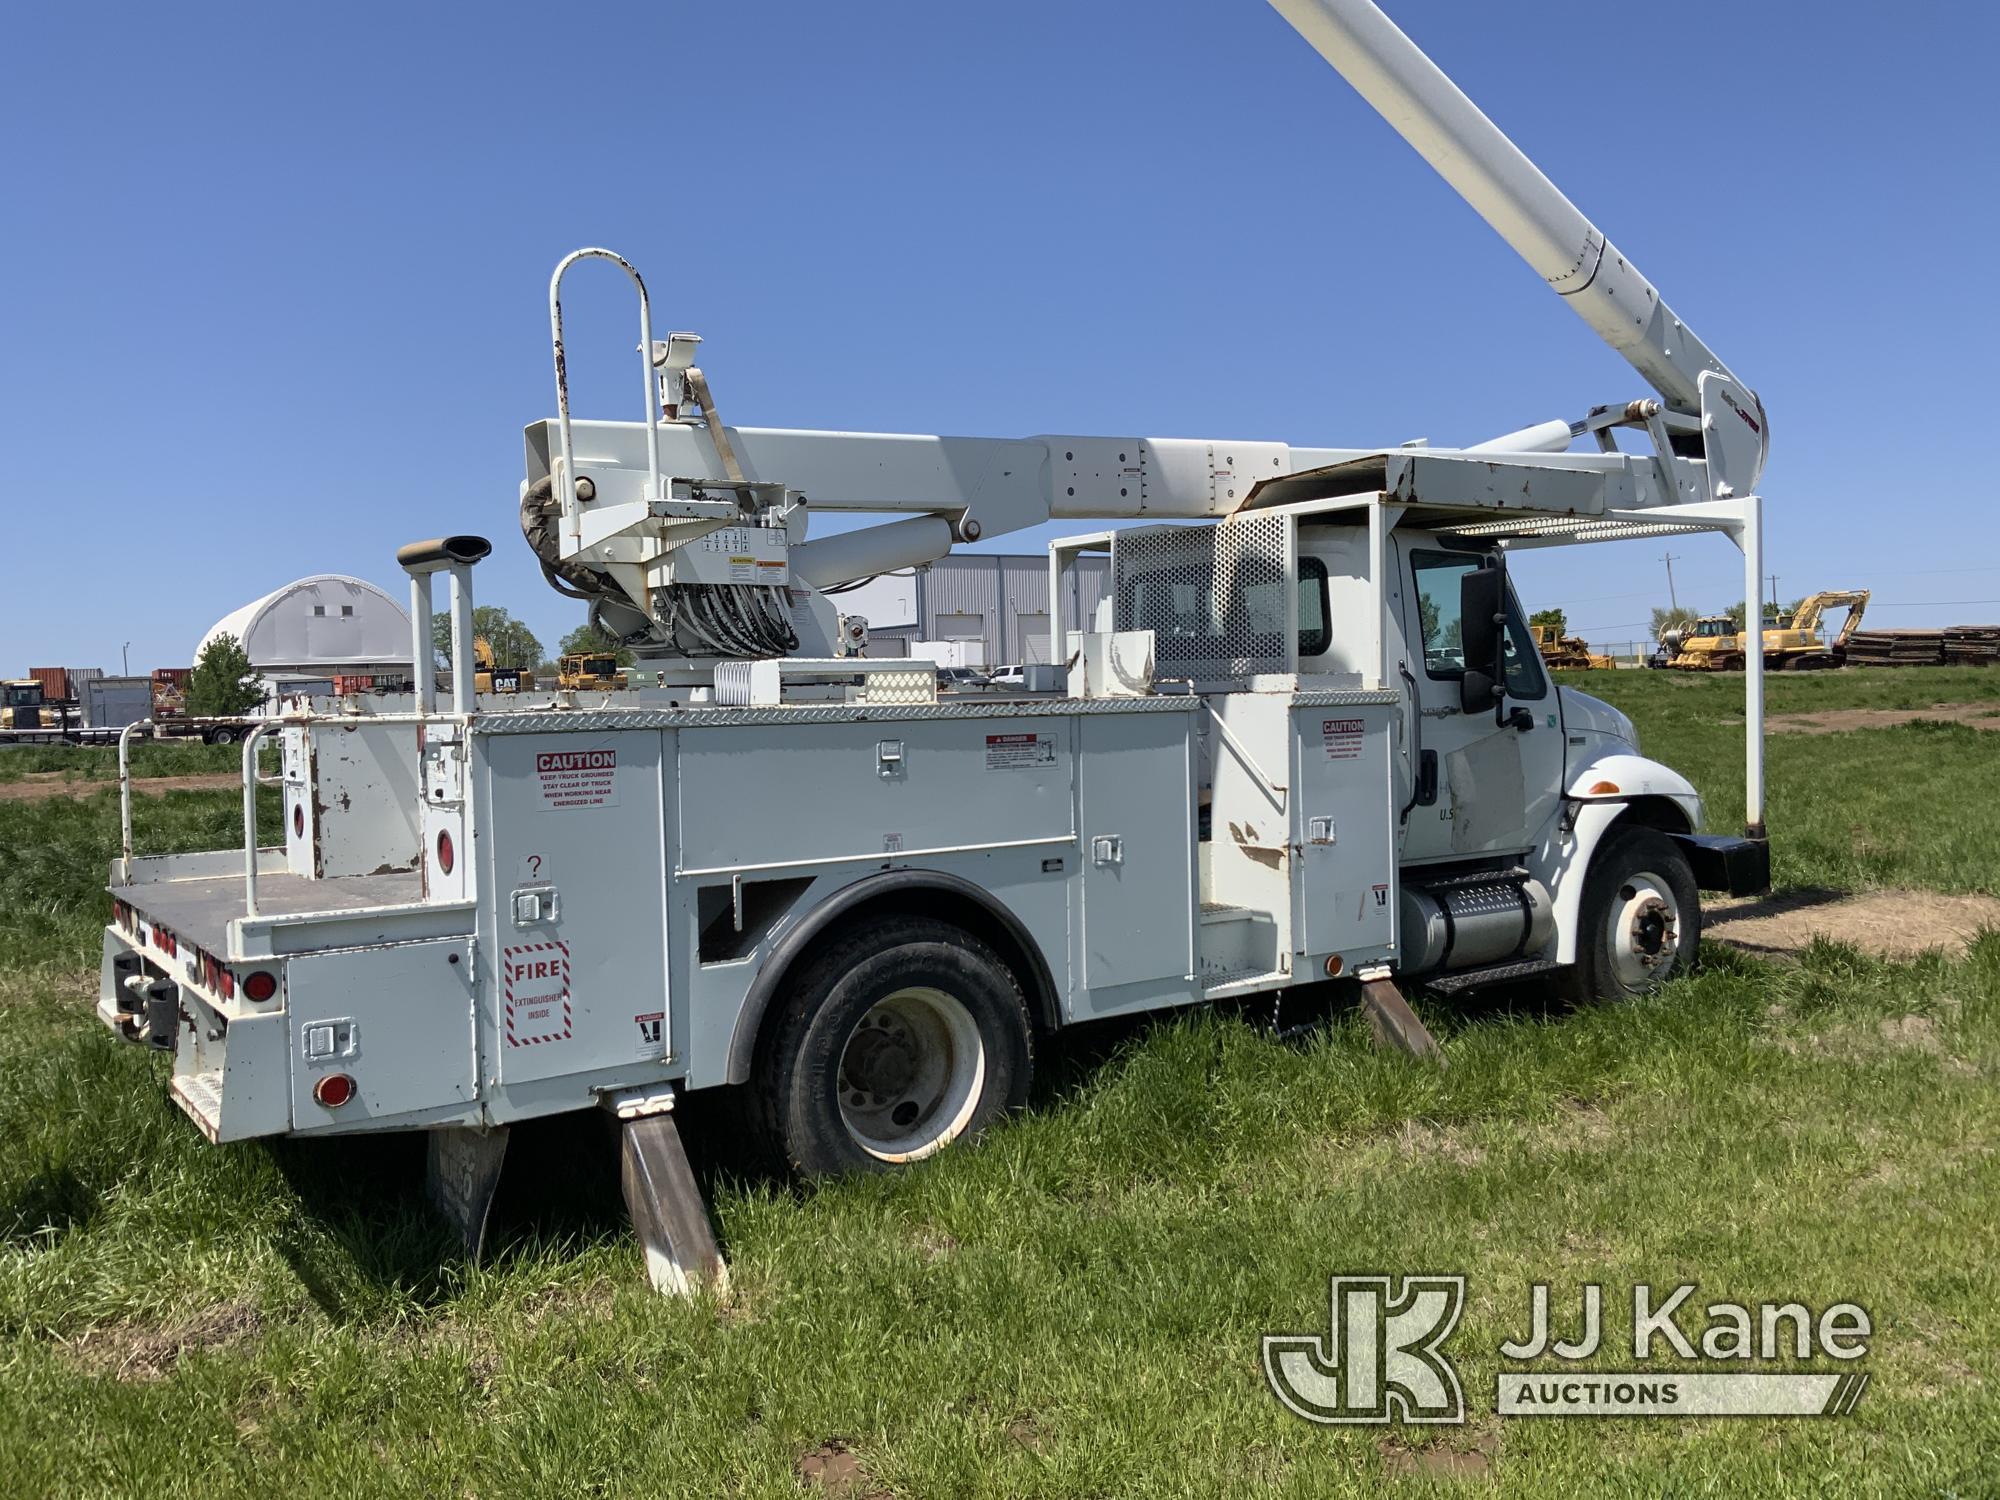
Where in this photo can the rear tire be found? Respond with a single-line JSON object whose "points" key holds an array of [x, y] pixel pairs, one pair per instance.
{"points": [[222, 735], [899, 1039], [1640, 920]]}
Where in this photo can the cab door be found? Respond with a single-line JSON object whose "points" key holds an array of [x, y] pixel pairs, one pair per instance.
{"points": [[1497, 785]]}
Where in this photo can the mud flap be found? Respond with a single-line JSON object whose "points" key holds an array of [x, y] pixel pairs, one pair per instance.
{"points": [[461, 1172], [666, 1207], [1393, 1022]]}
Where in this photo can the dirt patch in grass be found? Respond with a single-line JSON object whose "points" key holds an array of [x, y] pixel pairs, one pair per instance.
{"points": [[1440, 1461], [138, 1351], [1839, 720], [37, 785], [1891, 924], [834, 1469]]}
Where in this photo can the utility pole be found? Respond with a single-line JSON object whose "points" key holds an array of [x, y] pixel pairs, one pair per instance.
{"points": [[1774, 595], [1671, 599], [128, 658]]}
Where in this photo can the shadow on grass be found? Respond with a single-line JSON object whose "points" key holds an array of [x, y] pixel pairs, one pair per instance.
{"points": [[364, 1240]]}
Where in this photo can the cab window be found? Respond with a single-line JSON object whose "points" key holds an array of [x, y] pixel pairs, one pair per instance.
{"points": [[1437, 576]]}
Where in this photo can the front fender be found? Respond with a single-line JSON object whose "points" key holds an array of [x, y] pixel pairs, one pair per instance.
{"points": [[1625, 778], [1600, 792]]}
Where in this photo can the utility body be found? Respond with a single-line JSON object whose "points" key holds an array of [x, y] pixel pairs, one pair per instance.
{"points": [[1306, 735]]}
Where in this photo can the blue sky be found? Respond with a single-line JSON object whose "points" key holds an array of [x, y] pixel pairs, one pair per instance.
{"points": [[275, 274]]}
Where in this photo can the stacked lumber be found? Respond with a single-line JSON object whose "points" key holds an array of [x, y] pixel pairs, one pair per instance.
{"points": [[1896, 648], [1972, 645]]}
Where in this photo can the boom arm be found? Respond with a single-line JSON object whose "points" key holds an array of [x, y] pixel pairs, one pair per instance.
{"points": [[1814, 606], [1508, 191]]}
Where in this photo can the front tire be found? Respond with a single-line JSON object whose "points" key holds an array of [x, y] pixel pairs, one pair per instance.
{"points": [[1639, 923], [899, 1039]]}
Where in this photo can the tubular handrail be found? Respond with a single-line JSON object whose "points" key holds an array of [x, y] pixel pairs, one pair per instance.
{"points": [[567, 478], [125, 794], [251, 742]]}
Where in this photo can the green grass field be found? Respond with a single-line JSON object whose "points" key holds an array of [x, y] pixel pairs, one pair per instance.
{"points": [[1073, 1308]]}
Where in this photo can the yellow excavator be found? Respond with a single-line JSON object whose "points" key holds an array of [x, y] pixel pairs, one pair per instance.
{"points": [[1796, 644]]}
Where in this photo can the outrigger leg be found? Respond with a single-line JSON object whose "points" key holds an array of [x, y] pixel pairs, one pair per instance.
{"points": [[1391, 1019], [666, 1205], [461, 1172]]}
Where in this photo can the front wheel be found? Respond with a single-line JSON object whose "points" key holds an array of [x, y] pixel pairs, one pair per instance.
{"points": [[899, 1039], [1640, 920]]}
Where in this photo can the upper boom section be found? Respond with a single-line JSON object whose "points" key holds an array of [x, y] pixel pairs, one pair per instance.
{"points": [[1508, 191]]}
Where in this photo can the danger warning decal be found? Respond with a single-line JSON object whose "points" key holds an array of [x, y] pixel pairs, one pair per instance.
{"points": [[1019, 752], [1342, 738], [534, 984], [577, 778]]}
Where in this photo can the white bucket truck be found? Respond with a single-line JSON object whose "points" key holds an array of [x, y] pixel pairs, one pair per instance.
{"points": [[1304, 735]]}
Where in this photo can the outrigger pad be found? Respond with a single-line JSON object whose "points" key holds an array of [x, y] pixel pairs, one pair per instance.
{"points": [[1394, 1023], [666, 1207], [461, 1172]]}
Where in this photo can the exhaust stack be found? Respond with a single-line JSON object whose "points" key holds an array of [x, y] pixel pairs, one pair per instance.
{"points": [[455, 555]]}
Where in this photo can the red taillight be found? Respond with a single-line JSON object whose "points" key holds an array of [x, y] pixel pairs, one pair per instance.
{"points": [[260, 985], [299, 820], [334, 1090], [226, 982], [446, 856]]}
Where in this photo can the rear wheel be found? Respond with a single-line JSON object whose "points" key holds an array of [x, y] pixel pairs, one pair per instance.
{"points": [[222, 734], [1640, 920], [899, 1039]]}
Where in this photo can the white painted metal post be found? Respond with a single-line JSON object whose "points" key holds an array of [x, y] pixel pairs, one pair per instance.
{"points": [[1753, 666], [1055, 605], [1378, 578], [423, 654], [462, 663]]}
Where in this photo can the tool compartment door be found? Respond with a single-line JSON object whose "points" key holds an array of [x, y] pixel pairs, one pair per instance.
{"points": [[573, 848], [397, 1019], [1136, 801], [763, 796], [1344, 825]]}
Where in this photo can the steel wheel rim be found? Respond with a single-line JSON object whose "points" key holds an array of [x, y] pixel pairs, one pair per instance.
{"points": [[1643, 930], [911, 1073]]}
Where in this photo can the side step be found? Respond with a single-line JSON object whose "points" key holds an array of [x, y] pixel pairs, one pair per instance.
{"points": [[1472, 979]]}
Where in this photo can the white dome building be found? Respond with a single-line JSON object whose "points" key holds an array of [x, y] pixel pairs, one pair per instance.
{"points": [[318, 626]]}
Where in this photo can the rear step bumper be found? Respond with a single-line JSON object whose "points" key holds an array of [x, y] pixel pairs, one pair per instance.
{"points": [[1740, 866]]}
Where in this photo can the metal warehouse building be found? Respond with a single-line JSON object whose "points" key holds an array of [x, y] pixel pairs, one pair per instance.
{"points": [[998, 599]]}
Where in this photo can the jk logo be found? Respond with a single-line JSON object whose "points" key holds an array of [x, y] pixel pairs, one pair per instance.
{"points": [[1381, 1361]]}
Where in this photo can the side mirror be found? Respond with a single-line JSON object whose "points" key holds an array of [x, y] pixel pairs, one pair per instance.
{"points": [[1482, 606]]}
